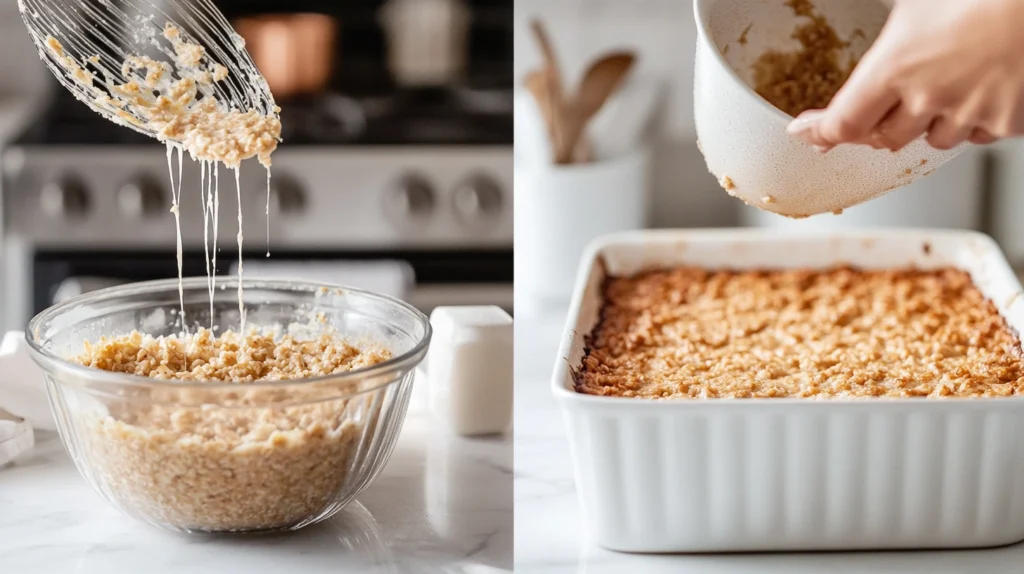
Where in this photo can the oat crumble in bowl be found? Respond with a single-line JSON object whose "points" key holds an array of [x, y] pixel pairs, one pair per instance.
{"points": [[196, 432], [689, 333]]}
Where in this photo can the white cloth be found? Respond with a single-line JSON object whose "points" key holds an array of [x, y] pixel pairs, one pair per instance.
{"points": [[22, 388], [16, 437]]}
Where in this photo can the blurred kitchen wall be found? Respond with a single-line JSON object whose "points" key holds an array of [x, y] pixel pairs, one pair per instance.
{"points": [[20, 72]]}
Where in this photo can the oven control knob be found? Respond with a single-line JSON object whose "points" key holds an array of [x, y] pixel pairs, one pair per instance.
{"points": [[413, 197], [478, 197], [141, 197], [286, 196], [65, 198]]}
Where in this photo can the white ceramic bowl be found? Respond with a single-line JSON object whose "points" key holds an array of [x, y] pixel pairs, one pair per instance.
{"points": [[793, 474], [743, 137]]}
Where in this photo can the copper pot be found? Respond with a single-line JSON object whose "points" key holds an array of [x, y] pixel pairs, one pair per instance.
{"points": [[294, 52]]}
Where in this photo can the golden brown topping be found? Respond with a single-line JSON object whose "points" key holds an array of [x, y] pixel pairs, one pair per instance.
{"points": [[691, 333]]}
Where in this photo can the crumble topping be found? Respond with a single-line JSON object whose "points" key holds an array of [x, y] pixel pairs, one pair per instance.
{"points": [[689, 333]]}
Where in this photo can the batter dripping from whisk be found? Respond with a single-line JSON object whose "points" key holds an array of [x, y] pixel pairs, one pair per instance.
{"points": [[184, 113]]}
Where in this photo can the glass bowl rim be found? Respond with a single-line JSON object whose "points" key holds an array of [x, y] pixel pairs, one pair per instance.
{"points": [[51, 361]]}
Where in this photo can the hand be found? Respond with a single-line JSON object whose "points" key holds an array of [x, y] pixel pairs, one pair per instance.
{"points": [[953, 69]]}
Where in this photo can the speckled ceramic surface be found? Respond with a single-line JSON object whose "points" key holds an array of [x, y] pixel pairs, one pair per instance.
{"points": [[744, 138]]}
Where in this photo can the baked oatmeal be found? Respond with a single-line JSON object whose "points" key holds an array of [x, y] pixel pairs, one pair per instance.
{"points": [[808, 78], [691, 333], [261, 458]]}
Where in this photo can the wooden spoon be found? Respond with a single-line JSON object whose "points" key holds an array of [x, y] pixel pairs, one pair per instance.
{"points": [[537, 83], [599, 82], [554, 84]]}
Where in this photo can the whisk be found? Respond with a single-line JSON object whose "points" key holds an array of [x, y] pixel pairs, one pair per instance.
{"points": [[100, 35]]}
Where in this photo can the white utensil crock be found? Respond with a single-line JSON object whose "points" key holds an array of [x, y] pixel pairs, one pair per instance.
{"points": [[744, 138], [560, 209]]}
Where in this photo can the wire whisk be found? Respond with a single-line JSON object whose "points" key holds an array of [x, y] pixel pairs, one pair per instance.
{"points": [[95, 39]]}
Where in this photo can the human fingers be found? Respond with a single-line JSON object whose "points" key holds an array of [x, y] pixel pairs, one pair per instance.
{"points": [[945, 133], [856, 109], [900, 127], [980, 136]]}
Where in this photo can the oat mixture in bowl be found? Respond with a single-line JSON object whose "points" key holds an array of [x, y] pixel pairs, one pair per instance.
{"points": [[211, 431]]}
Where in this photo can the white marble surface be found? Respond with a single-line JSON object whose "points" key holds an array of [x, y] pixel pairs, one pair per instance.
{"points": [[442, 504], [551, 539]]}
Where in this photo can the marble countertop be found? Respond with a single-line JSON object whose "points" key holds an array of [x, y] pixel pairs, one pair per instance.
{"points": [[550, 537], [442, 504]]}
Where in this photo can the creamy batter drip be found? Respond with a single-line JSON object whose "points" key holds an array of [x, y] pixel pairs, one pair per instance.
{"points": [[241, 302], [216, 226], [175, 209], [268, 212], [205, 192]]}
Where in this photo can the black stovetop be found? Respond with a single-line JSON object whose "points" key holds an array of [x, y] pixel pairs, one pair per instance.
{"points": [[434, 116]]}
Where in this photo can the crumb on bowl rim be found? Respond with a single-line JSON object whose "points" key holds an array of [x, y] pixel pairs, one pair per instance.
{"points": [[52, 362]]}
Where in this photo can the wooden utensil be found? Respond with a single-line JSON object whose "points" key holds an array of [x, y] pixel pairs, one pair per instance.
{"points": [[536, 83], [551, 66], [599, 82], [566, 119], [554, 86]]}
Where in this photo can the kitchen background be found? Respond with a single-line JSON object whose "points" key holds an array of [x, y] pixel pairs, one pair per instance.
{"points": [[395, 173], [981, 189]]}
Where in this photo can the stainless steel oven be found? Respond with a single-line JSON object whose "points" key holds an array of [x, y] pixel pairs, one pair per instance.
{"points": [[398, 185]]}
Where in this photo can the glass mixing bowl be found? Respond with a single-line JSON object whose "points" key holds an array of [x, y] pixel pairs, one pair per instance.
{"points": [[223, 456]]}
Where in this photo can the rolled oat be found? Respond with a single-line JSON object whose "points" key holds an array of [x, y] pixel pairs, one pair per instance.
{"points": [[208, 460]]}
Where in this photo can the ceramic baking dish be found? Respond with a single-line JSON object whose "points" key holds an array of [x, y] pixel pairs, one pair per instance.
{"points": [[793, 474]]}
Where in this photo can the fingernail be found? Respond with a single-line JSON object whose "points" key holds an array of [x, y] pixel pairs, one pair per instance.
{"points": [[822, 148], [798, 126], [804, 121]]}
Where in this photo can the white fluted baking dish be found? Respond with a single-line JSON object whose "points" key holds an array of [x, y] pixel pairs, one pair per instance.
{"points": [[793, 474]]}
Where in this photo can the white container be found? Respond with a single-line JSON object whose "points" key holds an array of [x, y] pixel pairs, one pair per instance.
{"points": [[469, 365], [793, 474], [1007, 208], [744, 138], [427, 40], [560, 209], [953, 199]]}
